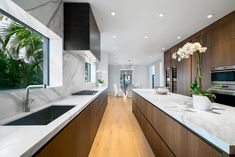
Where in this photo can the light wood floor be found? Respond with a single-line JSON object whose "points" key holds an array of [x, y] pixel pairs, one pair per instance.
{"points": [[119, 134]]}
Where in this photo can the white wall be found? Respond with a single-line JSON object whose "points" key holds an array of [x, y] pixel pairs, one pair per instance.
{"points": [[152, 71], [113, 76], [103, 65], [140, 76], [159, 71]]}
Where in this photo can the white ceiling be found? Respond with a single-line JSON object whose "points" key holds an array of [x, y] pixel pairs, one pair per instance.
{"points": [[136, 18]]}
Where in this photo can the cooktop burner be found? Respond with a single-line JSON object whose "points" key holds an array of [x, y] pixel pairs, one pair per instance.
{"points": [[85, 92]]}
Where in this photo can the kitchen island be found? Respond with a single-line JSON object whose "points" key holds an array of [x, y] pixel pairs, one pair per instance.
{"points": [[174, 128]]}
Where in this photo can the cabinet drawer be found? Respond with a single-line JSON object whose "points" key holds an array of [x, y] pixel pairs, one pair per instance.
{"points": [[171, 135], [157, 145]]}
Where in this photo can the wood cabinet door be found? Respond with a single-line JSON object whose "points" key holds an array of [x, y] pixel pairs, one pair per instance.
{"points": [[184, 76], [167, 67], [60, 145], [84, 132], [204, 39], [223, 54], [157, 145], [93, 120], [223, 41], [167, 58]]}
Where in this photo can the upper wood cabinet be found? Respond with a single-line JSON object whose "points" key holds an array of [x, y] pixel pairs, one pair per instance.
{"points": [[219, 38], [167, 67], [223, 41], [203, 37], [167, 56], [184, 76], [80, 29]]}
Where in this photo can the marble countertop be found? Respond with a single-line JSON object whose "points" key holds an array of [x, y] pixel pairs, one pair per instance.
{"points": [[24, 141], [217, 126]]}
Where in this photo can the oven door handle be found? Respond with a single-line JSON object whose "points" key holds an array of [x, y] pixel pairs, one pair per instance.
{"points": [[225, 92]]}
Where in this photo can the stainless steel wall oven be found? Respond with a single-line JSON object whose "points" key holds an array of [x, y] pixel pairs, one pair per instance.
{"points": [[226, 77]]}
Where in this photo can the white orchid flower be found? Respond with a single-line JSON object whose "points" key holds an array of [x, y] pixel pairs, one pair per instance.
{"points": [[188, 49]]}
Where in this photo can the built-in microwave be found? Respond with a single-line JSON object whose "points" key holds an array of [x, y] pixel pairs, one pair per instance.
{"points": [[226, 77], [223, 75]]}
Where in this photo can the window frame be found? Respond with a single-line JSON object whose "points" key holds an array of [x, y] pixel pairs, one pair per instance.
{"points": [[90, 72], [46, 53]]}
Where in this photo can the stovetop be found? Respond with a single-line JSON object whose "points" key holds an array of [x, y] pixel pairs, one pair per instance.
{"points": [[85, 92]]}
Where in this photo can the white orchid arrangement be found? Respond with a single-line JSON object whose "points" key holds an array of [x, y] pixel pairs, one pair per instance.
{"points": [[188, 49], [184, 52]]}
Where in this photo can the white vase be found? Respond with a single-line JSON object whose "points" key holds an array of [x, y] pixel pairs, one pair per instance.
{"points": [[201, 102], [100, 84]]}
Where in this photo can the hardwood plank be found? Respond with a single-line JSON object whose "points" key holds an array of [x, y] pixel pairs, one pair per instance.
{"points": [[119, 133]]}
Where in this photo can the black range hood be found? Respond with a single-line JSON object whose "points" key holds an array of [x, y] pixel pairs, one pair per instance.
{"points": [[81, 33]]}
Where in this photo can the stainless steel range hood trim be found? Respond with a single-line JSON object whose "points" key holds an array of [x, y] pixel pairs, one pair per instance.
{"points": [[85, 55], [225, 92], [223, 68]]}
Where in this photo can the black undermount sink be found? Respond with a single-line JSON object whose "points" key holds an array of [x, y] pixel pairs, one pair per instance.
{"points": [[42, 117], [86, 92]]}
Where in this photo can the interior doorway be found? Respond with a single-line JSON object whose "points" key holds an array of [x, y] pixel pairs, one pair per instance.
{"points": [[126, 80]]}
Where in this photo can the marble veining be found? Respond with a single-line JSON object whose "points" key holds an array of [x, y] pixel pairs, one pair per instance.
{"points": [[73, 68], [52, 11], [216, 127], [27, 140]]}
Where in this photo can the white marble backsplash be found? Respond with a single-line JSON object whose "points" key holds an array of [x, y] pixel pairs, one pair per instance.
{"points": [[50, 13]]}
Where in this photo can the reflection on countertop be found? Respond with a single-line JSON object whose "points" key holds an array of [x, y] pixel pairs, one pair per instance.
{"points": [[216, 126]]}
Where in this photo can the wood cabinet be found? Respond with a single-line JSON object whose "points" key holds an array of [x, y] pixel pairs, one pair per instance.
{"points": [[75, 140], [177, 74], [219, 38], [167, 67], [80, 29], [203, 37], [184, 76], [223, 41], [157, 145], [166, 136]]}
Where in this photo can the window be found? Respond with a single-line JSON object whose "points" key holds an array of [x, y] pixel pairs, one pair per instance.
{"points": [[90, 72], [22, 55], [87, 72]]}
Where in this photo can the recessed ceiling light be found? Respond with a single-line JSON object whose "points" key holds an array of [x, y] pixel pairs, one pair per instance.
{"points": [[151, 56], [179, 37], [163, 48], [113, 13], [115, 48], [210, 16], [146, 37], [114, 36], [161, 15]]}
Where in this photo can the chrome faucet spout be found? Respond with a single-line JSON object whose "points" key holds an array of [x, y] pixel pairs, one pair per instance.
{"points": [[26, 102]]}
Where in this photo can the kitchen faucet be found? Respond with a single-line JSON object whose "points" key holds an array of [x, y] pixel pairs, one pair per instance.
{"points": [[26, 103]]}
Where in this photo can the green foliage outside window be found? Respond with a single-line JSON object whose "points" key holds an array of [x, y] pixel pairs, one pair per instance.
{"points": [[21, 55]]}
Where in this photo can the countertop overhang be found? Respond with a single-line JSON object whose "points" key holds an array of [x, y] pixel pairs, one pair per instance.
{"points": [[216, 128], [25, 141]]}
